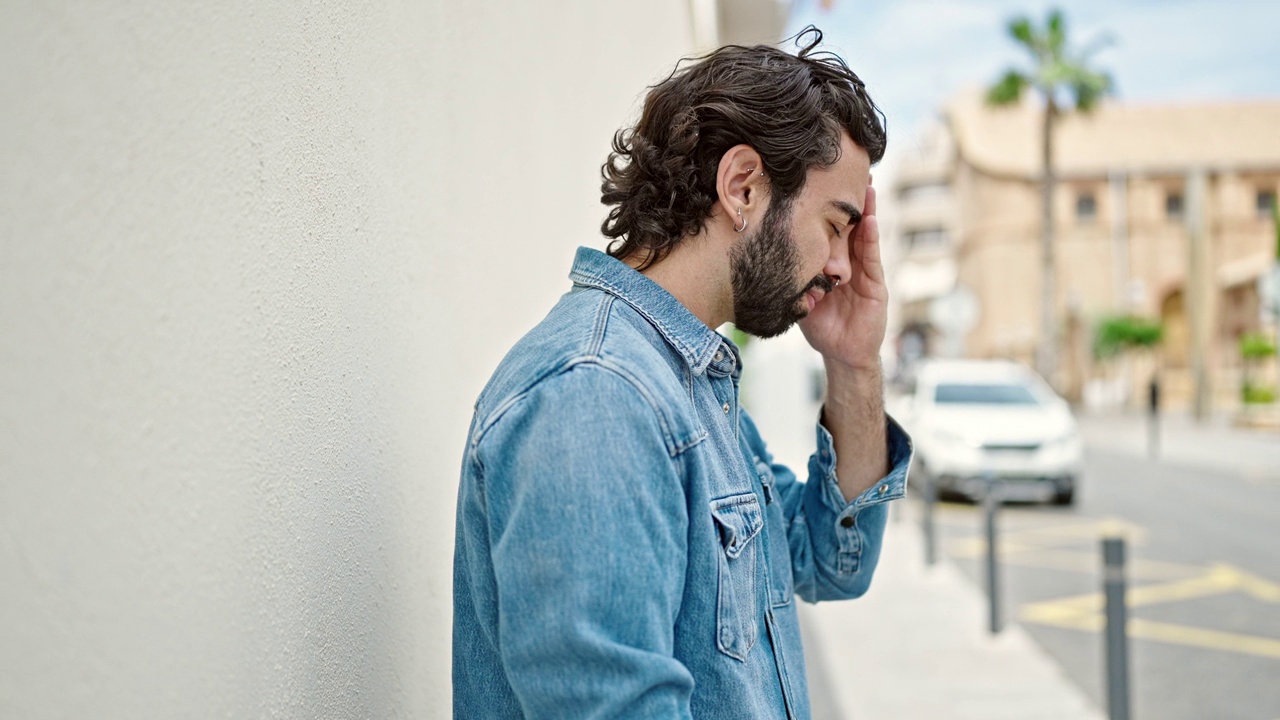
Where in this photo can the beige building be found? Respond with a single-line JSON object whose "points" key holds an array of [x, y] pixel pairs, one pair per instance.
{"points": [[1163, 211]]}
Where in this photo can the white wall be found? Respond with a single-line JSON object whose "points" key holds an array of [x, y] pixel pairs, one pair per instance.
{"points": [[256, 261]]}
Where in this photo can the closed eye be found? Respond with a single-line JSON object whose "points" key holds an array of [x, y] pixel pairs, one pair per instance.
{"points": [[855, 215]]}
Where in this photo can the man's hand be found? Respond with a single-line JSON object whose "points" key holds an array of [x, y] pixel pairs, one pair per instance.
{"points": [[847, 326]]}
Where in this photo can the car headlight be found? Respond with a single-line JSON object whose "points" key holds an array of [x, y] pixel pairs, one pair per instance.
{"points": [[951, 438], [1063, 441]]}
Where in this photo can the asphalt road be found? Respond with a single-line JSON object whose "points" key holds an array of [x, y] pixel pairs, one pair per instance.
{"points": [[1203, 537]]}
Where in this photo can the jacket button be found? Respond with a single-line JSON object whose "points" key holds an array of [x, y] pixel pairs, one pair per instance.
{"points": [[726, 408], [846, 521]]}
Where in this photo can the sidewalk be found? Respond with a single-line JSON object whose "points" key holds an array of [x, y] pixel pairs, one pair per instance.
{"points": [[917, 646], [1213, 445]]}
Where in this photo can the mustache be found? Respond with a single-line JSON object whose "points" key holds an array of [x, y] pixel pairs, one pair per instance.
{"points": [[822, 282]]}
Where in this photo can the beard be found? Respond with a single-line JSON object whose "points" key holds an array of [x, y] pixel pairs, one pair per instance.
{"points": [[766, 298]]}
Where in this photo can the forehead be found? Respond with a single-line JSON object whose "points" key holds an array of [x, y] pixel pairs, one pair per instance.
{"points": [[845, 182]]}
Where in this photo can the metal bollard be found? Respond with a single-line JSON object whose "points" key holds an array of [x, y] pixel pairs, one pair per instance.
{"points": [[990, 504], [1113, 584], [1153, 419], [930, 534]]}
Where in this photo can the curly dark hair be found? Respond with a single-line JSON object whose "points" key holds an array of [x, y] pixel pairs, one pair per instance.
{"points": [[660, 178]]}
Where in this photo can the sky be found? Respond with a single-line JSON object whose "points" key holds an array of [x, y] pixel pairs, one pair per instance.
{"points": [[914, 54]]}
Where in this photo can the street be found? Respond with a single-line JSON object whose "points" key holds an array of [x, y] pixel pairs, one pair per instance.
{"points": [[1202, 525]]}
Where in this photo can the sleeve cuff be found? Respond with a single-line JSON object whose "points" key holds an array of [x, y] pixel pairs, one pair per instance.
{"points": [[892, 486]]}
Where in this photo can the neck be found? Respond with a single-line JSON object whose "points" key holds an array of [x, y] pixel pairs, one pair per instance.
{"points": [[697, 273]]}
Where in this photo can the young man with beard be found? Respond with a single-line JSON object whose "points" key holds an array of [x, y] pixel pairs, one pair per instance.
{"points": [[625, 545]]}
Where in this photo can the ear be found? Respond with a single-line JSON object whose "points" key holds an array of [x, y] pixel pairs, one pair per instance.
{"points": [[740, 184]]}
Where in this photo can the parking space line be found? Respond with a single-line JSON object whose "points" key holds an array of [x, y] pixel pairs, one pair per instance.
{"points": [[1080, 561], [1068, 533], [1058, 547], [1163, 632], [1210, 639], [1084, 612], [1255, 586], [1080, 531]]}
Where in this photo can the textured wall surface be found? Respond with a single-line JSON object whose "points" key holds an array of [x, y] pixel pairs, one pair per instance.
{"points": [[256, 260]]}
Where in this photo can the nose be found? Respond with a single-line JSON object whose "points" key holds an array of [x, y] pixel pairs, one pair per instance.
{"points": [[839, 265]]}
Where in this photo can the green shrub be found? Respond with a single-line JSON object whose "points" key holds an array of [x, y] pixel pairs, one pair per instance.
{"points": [[1256, 346], [1257, 394], [1120, 332], [739, 337]]}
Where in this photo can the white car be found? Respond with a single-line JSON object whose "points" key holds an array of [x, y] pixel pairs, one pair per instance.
{"points": [[975, 421]]}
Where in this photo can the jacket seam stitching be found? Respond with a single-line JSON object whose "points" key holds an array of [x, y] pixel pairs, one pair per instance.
{"points": [[667, 331], [674, 448]]}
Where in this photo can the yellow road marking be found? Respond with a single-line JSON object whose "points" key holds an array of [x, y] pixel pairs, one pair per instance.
{"points": [[1066, 535], [1169, 633], [1257, 587], [1078, 529], [1073, 561], [1220, 580], [1084, 612], [1050, 548], [1215, 583], [1063, 614], [1199, 637]]}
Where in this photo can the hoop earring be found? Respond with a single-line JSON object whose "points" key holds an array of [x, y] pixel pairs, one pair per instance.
{"points": [[744, 222]]}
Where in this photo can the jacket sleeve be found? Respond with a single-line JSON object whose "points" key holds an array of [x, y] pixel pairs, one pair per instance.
{"points": [[588, 532], [834, 545]]}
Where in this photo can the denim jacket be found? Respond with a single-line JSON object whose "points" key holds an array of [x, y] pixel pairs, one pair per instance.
{"points": [[626, 548]]}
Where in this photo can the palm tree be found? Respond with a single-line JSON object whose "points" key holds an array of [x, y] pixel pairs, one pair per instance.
{"points": [[1065, 82]]}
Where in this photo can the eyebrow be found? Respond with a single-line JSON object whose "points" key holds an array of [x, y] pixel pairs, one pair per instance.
{"points": [[855, 215]]}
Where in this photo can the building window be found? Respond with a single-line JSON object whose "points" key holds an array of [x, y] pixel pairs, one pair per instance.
{"points": [[1173, 206], [1086, 207], [924, 191], [927, 238], [1266, 200]]}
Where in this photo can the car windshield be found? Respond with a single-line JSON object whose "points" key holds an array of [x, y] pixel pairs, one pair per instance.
{"points": [[983, 394]]}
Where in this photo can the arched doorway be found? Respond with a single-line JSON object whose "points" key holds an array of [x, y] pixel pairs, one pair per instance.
{"points": [[1176, 346]]}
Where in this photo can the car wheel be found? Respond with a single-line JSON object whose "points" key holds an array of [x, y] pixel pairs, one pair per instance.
{"points": [[1066, 496]]}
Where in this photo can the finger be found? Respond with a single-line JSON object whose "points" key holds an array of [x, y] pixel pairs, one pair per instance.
{"points": [[866, 248], [869, 206]]}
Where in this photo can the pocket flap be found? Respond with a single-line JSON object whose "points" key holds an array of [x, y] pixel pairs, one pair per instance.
{"points": [[739, 519]]}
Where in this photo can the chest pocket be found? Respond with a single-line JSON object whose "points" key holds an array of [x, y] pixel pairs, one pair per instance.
{"points": [[739, 520], [779, 559]]}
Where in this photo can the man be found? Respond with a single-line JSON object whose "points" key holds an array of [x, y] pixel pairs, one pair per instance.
{"points": [[625, 546]]}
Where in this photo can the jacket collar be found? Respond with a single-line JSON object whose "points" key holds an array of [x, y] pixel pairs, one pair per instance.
{"points": [[690, 337]]}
